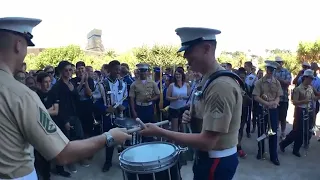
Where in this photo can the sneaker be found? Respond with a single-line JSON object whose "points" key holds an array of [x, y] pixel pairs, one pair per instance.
{"points": [[106, 167], [72, 168], [242, 154], [85, 163], [64, 174]]}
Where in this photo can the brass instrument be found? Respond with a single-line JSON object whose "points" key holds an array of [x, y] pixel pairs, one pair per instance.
{"points": [[261, 130], [306, 131], [266, 112]]}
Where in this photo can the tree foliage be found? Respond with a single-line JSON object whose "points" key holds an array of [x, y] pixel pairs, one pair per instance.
{"points": [[237, 58], [309, 51], [290, 59], [159, 55]]}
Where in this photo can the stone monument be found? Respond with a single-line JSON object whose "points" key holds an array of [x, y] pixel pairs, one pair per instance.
{"points": [[95, 41]]}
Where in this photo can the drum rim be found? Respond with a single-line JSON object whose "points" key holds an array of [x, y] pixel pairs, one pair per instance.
{"points": [[115, 120], [149, 167]]}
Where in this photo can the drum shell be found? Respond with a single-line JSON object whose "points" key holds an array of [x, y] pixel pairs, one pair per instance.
{"points": [[152, 166]]}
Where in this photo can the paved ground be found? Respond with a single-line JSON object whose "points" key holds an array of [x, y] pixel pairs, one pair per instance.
{"points": [[293, 168]]}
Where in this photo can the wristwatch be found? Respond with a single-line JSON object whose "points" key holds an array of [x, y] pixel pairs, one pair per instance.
{"points": [[109, 139]]}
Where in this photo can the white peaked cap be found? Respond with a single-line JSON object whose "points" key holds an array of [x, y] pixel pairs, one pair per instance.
{"points": [[306, 64], [192, 35], [309, 73], [272, 64], [20, 25]]}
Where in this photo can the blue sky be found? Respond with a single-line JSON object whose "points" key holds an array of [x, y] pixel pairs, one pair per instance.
{"points": [[245, 24]]}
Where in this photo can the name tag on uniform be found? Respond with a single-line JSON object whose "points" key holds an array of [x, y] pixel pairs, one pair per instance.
{"points": [[109, 92], [120, 92]]}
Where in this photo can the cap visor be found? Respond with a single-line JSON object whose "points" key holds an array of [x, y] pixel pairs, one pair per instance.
{"points": [[30, 43], [183, 48]]}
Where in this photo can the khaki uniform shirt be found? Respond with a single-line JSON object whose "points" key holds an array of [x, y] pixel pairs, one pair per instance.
{"points": [[142, 91], [272, 88], [303, 93], [24, 123], [220, 108]]}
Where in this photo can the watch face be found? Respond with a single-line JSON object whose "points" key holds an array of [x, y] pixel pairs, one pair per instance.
{"points": [[110, 140]]}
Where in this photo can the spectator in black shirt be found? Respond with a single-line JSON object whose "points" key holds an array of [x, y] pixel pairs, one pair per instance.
{"points": [[68, 96], [52, 105], [85, 86]]}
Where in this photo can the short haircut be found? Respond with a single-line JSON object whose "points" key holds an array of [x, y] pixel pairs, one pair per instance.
{"points": [[88, 67], [105, 66], [241, 71], [48, 67], [125, 65], [249, 63], [41, 76], [98, 72], [114, 63], [80, 63]]}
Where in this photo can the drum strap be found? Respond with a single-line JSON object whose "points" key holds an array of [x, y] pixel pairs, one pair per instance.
{"points": [[217, 74]]}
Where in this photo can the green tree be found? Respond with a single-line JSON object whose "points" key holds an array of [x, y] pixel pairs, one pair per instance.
{"points": [[31, 61], [309, 51], [128, 58], [159, 55], [290, 59], [52, 56], [237, 58]]}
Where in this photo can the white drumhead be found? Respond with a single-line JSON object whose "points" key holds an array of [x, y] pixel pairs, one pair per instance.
{"points": [[148, 152]]}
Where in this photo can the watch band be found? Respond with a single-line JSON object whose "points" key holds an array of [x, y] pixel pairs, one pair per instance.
{"points": [[109, 139]]}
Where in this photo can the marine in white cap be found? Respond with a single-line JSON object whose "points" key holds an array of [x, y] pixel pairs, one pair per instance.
{"points": [[303, 99], [284, 77], [143, 93], [267, 92], [25, 122], [219, 110]]}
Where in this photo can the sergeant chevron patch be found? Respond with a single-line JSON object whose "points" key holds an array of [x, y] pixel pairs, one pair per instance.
{"points": [[217, 107], [46, 122]]}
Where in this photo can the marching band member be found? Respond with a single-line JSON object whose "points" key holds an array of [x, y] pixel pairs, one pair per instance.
{"points": [[302, 98], [284, 77], [247, 101], [268, 86], [250, 80], [143, 92], [219, 109], [115, 90]]}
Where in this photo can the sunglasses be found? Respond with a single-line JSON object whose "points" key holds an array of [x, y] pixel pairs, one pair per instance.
{"points": [[50, 72]]}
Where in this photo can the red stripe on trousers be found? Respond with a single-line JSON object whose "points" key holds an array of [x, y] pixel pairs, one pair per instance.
{"points": [[213, 168]]}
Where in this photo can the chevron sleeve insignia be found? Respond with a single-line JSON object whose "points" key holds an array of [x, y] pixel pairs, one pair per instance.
{"points": [[46, 122], [217, 106]]}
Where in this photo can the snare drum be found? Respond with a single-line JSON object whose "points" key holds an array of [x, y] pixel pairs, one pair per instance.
{"points": [[151, 161], [129, 123]]}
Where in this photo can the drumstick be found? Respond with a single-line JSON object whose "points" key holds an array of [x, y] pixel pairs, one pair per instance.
{"points": [[140, 128]]}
